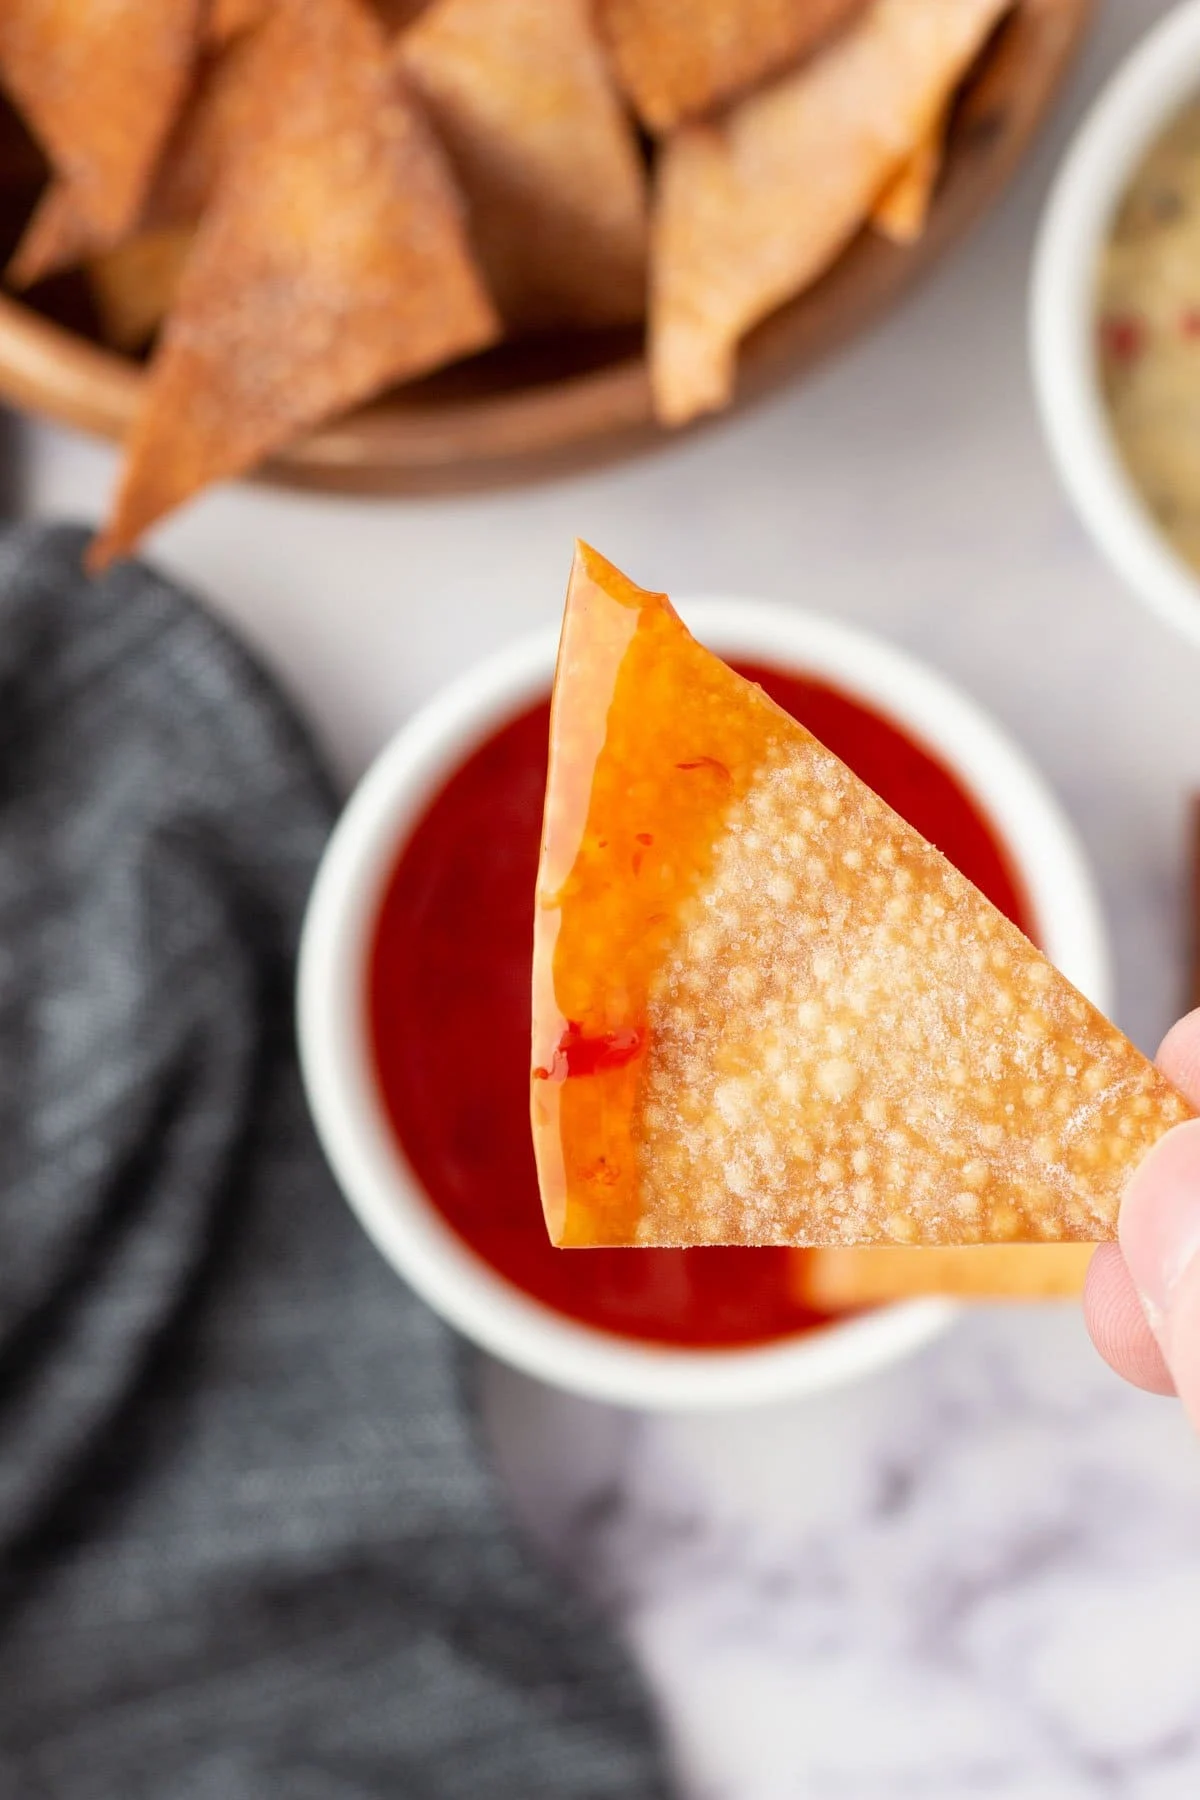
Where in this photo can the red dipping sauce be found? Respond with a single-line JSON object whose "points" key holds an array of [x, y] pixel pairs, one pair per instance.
{"points": [[449, 1016]]}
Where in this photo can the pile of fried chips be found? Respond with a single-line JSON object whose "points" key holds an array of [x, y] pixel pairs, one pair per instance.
{"points": [[298, 203]]}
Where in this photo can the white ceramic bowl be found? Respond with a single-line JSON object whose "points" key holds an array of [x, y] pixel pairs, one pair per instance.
{"points": [[1154, 81], [332, 1002]]}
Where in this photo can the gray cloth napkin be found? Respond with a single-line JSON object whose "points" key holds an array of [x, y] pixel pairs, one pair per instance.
{"points": [[249, 1546]]}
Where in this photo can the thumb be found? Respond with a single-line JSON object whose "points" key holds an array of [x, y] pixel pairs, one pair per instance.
{"points": [[1160, 1238]]}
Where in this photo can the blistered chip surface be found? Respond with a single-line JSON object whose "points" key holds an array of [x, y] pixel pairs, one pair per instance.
{"points": [[766, 1011]]}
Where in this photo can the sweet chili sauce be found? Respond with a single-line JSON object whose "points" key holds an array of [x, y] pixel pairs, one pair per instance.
{"points": [[449, 1017]]}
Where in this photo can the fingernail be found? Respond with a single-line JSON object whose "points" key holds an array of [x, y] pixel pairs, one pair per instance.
{"points": [[1160, 1220]]}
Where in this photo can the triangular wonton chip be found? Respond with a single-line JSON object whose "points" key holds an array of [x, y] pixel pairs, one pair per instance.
{"points": [[331, 261], [679, 58], [766, 1011], [134, 285], [396, 14], [99, 83], [853, 1275], [220, 112], [59, 234], [227, 19], [901, 210], [752, 210], [548, 160]]}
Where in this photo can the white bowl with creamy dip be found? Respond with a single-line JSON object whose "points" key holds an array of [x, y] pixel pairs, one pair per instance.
{"points": [[1114, 326], [1115, 320]]}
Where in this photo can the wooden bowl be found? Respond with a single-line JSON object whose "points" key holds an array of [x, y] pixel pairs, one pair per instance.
{"points": [[545, 407]]}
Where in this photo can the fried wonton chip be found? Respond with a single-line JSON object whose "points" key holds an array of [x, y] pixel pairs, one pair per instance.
{"points": [[219, 111], [765, 1010], [57, 236], [678, 58], [99, 83], [396, 14], [751, 211], [837, 1280], [331, 262], [902, 208], [227, 19], [547, 157], [134, 285]]}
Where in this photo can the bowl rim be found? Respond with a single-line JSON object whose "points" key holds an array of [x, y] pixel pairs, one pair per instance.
{"points": [[370, 1167], [1159, 74]]}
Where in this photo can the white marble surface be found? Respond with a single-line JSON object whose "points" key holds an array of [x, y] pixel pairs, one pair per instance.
{"points": [[978, 1574]]}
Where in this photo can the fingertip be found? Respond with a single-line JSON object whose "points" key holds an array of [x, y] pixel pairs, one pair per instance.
{"points": [[1159, 1223], [1179, 1056], [1117, 1324], [1181, 1336]]}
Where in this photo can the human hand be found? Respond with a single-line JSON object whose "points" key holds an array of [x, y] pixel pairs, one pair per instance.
{"points": [[1142, 1300]]}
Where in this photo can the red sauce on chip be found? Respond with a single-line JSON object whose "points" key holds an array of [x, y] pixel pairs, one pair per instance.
{"points": [[449, 1017]]}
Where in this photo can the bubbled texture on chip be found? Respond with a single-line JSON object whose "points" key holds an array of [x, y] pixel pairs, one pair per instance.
{"points": [[766, 1010], [849, 1043]]}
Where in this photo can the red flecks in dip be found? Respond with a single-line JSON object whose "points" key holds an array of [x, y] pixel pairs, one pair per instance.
{"points": [[1148, 329], [1122, 337]]}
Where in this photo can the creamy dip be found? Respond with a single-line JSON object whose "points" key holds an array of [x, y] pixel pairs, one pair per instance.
{"points": [[1148, 326]]}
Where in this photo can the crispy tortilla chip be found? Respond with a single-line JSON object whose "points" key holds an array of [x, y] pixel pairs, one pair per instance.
{"points": [[134, 285], [548, 160], [752, 211], [766, 1011], [837, 1280], [331, 262], [902, 208], [99, 83], [679, 58]]}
